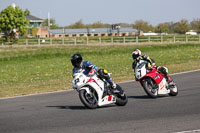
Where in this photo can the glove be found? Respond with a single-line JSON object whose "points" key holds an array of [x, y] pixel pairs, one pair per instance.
{"points": [[92, 72], [153, 65]]}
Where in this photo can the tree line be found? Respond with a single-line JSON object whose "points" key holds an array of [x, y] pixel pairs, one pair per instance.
{"points": [[180, 27], [13, 21]]}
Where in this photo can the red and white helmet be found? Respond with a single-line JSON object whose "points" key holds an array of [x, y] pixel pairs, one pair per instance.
{"points": [[136, 53]]}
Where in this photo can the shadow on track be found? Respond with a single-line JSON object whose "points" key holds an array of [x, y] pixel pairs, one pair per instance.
{"points": [[147, 97], [81, 107], [69, 107], [140, 97]]}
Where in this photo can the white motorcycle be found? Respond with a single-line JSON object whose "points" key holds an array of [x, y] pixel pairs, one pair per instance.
{"points": [[94, 92], [152, 81]]}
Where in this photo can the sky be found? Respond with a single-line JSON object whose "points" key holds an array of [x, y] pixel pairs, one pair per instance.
{"points": [[67, 12]]}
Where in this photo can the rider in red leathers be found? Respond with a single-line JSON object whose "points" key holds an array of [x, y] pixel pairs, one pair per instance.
{"points": [[136, 55]]}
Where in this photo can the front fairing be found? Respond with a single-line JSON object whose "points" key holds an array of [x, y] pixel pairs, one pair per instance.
{"points": [[153, 74], [79, 80], [140, 70]]}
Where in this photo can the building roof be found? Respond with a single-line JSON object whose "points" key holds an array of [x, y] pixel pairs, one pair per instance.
{"points": [[75, 31], [100, 30], [91, 30], [34, 18]]}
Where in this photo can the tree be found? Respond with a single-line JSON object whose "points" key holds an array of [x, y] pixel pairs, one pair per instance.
{"points": [[98, 24], [12, 22], [171, 26], [78, 24], [181, 26], [195, 25], [26, 12], [143, 25], [162, 28], [53, 24], [34, 31]]}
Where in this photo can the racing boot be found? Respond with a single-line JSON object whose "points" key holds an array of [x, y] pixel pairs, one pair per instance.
{"points": [[113, 86], [169, 80], [115, 90]]}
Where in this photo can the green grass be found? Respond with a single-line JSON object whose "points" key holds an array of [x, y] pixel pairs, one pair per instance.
{"points": [[36, 70]]}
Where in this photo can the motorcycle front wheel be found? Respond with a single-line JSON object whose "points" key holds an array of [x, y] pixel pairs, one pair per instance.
{"points": [[148, 85], [89, 100], [173, 90]]}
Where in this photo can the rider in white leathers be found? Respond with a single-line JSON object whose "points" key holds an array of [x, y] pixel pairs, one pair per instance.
{"points": [[90, 68]]}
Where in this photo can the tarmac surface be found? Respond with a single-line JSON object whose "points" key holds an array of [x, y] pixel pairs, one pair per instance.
{"points": [[63, 112]]}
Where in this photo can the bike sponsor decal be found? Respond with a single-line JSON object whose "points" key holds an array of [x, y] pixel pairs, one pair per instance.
{"points": [[162, 87], [110, 98], [91, 79], [157, 77]]}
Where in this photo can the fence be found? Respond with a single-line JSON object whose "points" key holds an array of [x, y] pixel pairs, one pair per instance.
{"points": [[107, 40]]}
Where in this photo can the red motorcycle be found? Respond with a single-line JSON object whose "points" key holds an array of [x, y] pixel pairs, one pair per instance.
{"points": [[153, 82]]}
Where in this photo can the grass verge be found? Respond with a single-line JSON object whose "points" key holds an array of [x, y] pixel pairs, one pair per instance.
{"points": [[36, 70]]}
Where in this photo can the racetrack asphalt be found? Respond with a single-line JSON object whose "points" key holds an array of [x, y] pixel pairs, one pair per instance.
{"points": [[62, 112]]}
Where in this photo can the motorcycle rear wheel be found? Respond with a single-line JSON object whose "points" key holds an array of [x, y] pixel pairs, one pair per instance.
{"points": [[121, 99], [148, 87], [89, 100]]}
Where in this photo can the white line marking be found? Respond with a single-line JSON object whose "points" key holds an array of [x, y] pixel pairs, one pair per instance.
{"points": [[126, 81], [38, 94], [185, 72], [190, 131], [73, 89]]}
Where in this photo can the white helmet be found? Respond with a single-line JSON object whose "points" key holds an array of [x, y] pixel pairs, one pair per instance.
{"points": [[136, 53]]}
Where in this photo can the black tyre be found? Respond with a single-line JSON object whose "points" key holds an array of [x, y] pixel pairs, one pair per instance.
{"points": [[149, 87], [89, 100], [121, 98], [173, 90]]}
